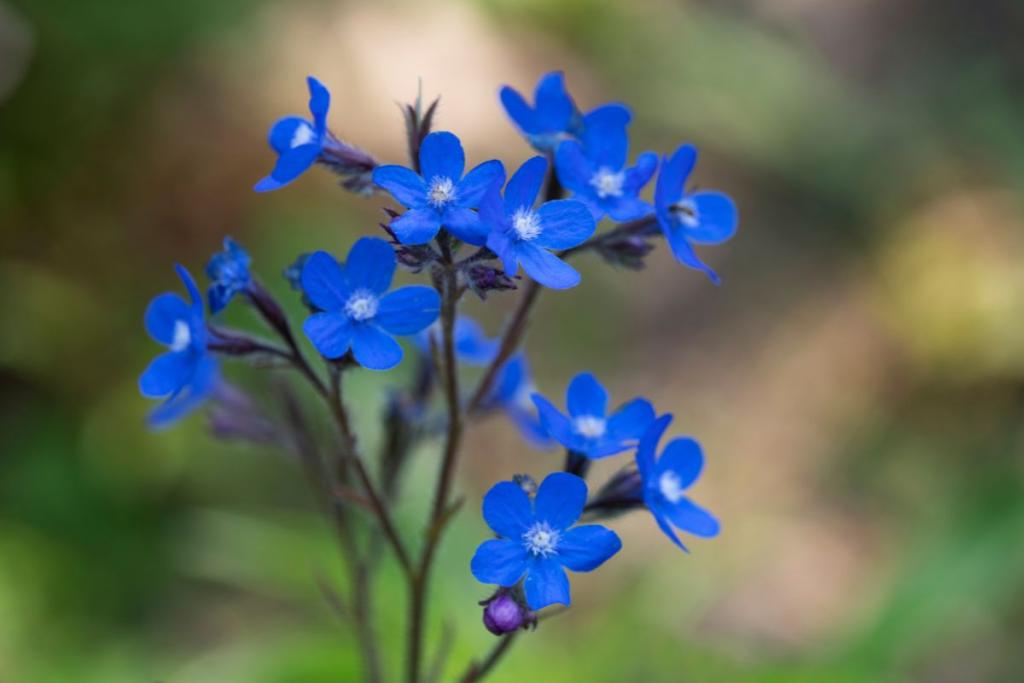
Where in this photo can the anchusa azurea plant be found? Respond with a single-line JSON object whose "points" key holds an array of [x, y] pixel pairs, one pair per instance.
{"points": [[485, 232]]}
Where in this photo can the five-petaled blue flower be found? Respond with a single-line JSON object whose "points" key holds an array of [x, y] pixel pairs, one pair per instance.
{"points": [[355, 313], [522, 235], [187, 374], [439, 195], [229, 271], [298, 141], [554, 116], [704, 217], [511, 394], [666, 479], [588, 430], [595, 170], [539, 540], [472, 345]]}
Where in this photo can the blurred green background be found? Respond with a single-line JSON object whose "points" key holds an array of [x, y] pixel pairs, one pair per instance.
{"points": [[857, 382]]}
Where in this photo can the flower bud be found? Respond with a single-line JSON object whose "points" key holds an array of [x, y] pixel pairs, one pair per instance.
{"points": [[482, 279], [503, 614]]}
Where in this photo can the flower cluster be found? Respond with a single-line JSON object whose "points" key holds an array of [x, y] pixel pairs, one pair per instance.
{"points": [[482, 231]]}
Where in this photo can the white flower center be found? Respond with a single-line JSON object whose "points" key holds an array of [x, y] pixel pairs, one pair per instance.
{"points": [[303, 134], [607, 182], [526, 224], [362, 305], [182, 336], [669, 485], [685, 211], [442, 191], [590, 426], [540, 539]]}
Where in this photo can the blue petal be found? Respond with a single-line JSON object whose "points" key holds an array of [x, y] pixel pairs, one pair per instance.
{"points": [[441, 155], [574, 170], [631, 421], [546, 584], [167, 373], [471, 344], [525, 184], [500, 244], [663, 523], [499, 561], [718, 218], [685, 254], [405, 185], [512, 376], [290, 166], [689, 517], [161, 315], [331, 333], [470, 191], [606, 146], [370, 265], [685, 458], [282, 133], [560, 500], [586, 396], [554, 107], [608, 116], [417, 226], [374, 348], [565, 223], [545, 267], [629, 209], [466, 225], [319, 103], [640, 173], [646, 451], [674, 172], [519, 111], [193, 291], [219, 295], [408, 310], [492, 213], [323, 282], [506, 509], [204, 379], [554, 422], [585, 548]]}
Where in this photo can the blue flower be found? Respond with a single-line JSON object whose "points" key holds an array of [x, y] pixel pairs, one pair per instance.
{"points": [[355, 313], [298, 142], [440, 195], [554, 116], [229, 270], [705, 217], [522, 235], [472, 346], [539, 540], [187, 374], [587, 429], [666, 479], [511, 394], [595, 170]]}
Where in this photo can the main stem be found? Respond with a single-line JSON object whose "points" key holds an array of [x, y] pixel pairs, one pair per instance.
{"points": [[420, 579]]}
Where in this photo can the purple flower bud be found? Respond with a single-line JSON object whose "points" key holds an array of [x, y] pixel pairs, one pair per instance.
{"points": [[483, 279], [503, 614]]}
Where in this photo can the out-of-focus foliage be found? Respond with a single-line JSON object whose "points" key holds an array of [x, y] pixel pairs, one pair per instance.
{"points": [[858, 381]]}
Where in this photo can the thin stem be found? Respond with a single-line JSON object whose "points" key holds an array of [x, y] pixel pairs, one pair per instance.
{"points": [[359, 600], [420, 581], [477, 670]]}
